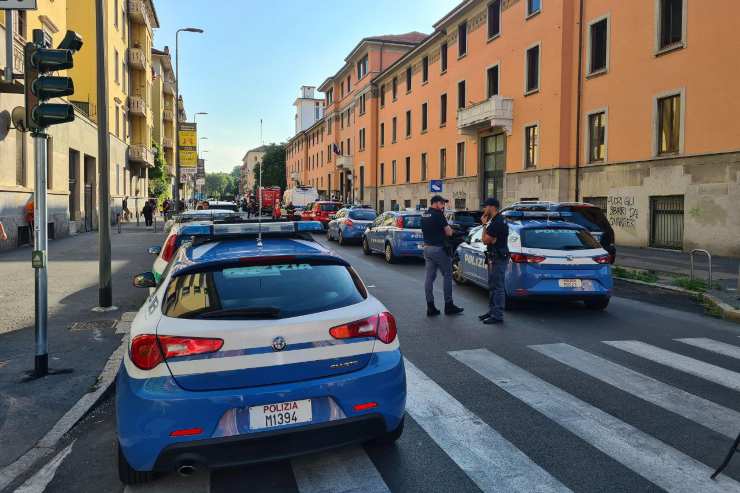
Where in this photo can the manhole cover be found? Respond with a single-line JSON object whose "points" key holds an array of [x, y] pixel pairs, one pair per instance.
{"points": [[92, 325]]}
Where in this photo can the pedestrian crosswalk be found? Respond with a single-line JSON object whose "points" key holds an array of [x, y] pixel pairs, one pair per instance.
{"points": [[496, 460]]}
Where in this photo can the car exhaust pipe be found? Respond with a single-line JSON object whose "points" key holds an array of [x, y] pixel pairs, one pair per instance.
{"points": [[186, 470]]}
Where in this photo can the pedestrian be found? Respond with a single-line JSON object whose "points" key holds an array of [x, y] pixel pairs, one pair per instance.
{"points": [[290, 211], [3, 234], [496, 239], [437, 255], [147, 211]]}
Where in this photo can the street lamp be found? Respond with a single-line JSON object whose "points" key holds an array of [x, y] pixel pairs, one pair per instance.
{"points": [[176, 189]]}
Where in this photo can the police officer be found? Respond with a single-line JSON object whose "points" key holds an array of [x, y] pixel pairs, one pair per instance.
{"points": [[495, 237], [435, 229]]}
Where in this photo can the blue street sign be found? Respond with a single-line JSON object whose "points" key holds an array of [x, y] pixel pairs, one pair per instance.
{"points": [[435, 186]]}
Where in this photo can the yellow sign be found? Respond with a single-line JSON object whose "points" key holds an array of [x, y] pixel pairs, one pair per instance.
{"points": [[188, 158], [188, 144], [188, 138]]}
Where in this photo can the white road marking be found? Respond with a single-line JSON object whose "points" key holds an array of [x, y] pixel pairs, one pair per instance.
{"points": [[39, 481], [665, 466], [347, 470], [174, 483], [715, 346], [713, 373], [715, 417], [491, 461]]}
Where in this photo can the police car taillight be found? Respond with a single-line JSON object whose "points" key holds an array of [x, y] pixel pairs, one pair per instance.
{"points": [[603, 259], [169, 248], [520, 258], [149, 350], [399, 222], [382, 327]]}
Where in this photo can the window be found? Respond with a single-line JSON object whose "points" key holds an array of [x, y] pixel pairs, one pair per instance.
{"points": [[669, 124], [597, 137], [349, 152], [408, 123], [406, 205], [533, 70], [382, 134], [362, 139], [423, 166], [443, 110], [382, 174], [394, 129], [349, 84], [328, 124], [462, 39], [394, 88], [531, 144], [461, 94], [394, 207], [362, 68], [460, 204], [362, 184], [533, 6], [362, 104], [492, 81], [460, 158], [382, 95], [598, 42], [494, 19], [670, 23], [425, 69], [115, 13], [408, 78], [329, 96], [118, 121], [381, 205], [424, 117], [115, 57], [442, 162], [393, 172], [408, 169], [443, 58]]}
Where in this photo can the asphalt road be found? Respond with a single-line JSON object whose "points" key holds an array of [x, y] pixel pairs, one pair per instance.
{"points": [[644, 396]]}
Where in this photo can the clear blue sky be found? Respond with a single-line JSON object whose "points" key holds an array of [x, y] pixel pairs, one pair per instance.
{"points": [[255, 54]]}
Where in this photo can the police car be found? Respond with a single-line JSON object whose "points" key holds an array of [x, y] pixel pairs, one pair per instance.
{"points": [[257, 344], [349, 223], [550, 258], [395, 234], [179, 233]]}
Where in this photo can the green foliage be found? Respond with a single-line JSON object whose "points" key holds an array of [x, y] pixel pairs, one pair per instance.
{"points": [[638, 275], [219, 185], [692, 285], [273, 167], [159, 181]]}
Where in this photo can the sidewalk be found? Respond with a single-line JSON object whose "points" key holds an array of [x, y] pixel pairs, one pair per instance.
{"points": [[79, 339]]}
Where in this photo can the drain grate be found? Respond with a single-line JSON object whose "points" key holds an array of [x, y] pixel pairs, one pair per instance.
{"points": [[92, 325]]}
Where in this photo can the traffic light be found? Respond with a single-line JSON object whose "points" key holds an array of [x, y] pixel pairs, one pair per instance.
{"points": [[40, 87]]}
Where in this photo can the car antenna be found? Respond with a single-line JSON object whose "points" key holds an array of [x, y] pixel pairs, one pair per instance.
{"points": [[259, 190]]}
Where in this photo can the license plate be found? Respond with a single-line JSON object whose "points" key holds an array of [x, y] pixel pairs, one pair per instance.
{"points": [[569, 283], [280, 414]]}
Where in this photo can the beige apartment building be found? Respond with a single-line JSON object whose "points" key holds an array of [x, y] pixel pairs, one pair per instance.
{"points": [[251, 160], [163, 105], [626, 105]]}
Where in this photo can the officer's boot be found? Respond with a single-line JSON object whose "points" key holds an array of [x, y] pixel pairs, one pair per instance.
{"points": [[432, 310], [452, 309]]}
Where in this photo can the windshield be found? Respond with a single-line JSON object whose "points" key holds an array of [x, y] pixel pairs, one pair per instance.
{"points": [[362, 214], [262, 292], [558, 239], [413, 222], [330, 207]]}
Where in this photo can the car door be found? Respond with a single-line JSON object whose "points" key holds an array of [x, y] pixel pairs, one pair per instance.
{"points": [[473, 258], [334, 224], [372, 232]]}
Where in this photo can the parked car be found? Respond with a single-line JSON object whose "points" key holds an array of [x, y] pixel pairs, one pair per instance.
{"points": [[395, 234], [248, 353], [349, 223], [461, 222], [198, 215], [179, 234], [320, 211], [588, 215], [549, 259]]}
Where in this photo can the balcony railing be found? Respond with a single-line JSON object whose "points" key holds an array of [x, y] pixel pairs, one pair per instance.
{"points": [[168, 142], [137, 58], [136, 105], [497, 111], [141, 154], [168, 115], [344, 162], [169, 87], [137, 11]]}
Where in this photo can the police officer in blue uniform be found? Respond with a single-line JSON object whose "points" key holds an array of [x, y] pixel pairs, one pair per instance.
{"points": [[496, 238], [437, 255]]}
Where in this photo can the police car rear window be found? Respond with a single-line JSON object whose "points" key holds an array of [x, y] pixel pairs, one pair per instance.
{"points": [[256, 292], [413, 222], [558, 239], [362, 214]]}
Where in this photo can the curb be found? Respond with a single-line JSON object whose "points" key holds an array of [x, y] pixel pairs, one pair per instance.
{"points": [[44, 447], [727, 311]]}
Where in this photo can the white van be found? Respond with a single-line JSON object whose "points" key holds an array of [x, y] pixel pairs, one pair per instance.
{"points": [[300, 196]]}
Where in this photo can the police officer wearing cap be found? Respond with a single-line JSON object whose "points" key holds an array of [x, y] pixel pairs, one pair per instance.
{"points": [[437, 256], [496, 238]]}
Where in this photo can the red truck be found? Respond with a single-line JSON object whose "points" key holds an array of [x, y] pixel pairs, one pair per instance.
{"points": [[271, 197]]}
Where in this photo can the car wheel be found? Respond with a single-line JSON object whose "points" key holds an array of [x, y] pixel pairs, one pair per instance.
{"points": [[366, 247], [389, 255], [129, 475], [341, 239], [599, 303], [457, 273], [390, 437]]}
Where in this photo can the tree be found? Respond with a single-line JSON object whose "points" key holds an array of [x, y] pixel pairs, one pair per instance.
{"points": [[273, 167], [159, 181], [218, 185]]}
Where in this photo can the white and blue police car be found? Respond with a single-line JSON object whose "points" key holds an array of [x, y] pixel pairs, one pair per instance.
{"points": [[254, 347], [550, 258]]}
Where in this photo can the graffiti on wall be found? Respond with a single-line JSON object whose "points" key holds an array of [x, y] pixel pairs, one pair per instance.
{"points": [[622, 211]]}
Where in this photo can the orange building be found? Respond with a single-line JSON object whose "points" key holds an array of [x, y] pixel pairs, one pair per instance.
{"points": [[624, 104]]}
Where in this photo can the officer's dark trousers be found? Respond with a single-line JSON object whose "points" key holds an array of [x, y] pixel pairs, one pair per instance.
{"points": [[436, 258], [496, 289]]}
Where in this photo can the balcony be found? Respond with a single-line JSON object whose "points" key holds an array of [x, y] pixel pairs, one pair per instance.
{"points": [[497, 111], [138, 12], [137, 58], [169, 87], [141, 154], [168, 142], [168, 115], [345, 162], [136, 105]]}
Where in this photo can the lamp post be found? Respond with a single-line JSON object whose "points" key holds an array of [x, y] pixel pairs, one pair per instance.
{"points": [[176, 189]]}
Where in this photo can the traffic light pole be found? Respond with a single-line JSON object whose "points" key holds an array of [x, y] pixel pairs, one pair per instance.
{"points": [[41, 244]]}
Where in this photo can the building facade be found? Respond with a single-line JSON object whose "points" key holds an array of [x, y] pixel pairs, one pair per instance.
{"points": [[621, 104], [251, 160], [308, 108], [163, 105]]}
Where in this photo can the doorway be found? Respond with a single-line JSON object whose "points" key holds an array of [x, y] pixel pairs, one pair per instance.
{"points": [[90, 182], [493, 162], [74, 176]]}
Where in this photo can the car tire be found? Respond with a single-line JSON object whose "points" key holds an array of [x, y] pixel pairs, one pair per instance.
{"points": [[129, 475], [365, 247], [341, 239], [390, 257], [457, 271], [599, 303], [389, 438]]}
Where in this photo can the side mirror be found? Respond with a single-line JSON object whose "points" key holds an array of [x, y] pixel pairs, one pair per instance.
{"points": [[155, 250], [145, 280]]}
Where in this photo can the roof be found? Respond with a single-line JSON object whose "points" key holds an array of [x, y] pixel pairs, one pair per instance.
{"points": [[262, 148]]}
